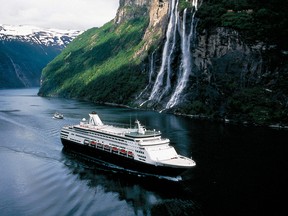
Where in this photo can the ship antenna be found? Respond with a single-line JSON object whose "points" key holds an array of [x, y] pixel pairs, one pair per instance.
{"points": [[130, 120]]}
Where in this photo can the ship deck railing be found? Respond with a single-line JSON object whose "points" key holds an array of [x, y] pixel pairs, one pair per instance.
{"points": [[123, 131]]}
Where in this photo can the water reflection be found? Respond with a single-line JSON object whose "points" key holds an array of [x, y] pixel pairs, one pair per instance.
{"points": [[240, 170], [146, 195]]}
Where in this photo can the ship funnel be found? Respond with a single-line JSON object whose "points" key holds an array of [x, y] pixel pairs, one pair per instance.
{"points": [[95, 120], [141, 129]]}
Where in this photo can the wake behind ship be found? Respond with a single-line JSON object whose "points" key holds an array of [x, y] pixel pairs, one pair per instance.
{"points": [[135, 149]]}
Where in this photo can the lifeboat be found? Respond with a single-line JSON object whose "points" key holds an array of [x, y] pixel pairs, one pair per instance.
{"points": [[123, 152], [114, 149], [106, 147], [93, 143], [130, 154]]}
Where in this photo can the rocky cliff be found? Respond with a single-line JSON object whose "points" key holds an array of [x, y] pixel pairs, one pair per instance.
{"points": [[159, 59], [236, 80], [226, 76]]}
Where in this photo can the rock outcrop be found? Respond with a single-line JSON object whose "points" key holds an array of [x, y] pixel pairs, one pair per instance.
{"points": [[158, 59], [130, 9], [223, 52], [229, 78]]}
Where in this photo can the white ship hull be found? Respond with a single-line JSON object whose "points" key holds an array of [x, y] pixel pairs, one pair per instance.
{"points": [[137, 149], [124, 162]]}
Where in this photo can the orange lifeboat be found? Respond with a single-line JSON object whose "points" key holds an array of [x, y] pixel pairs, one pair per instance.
{"points": [[114, 149], [130, 154], [123, 152]]}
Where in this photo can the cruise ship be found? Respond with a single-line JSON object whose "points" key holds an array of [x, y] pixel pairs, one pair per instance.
{"points": [[136, 149]]}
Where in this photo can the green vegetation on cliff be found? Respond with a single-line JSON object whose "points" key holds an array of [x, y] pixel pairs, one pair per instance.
{"points": [[262, 99], [110, 64], [100, 65], [184, 4], [263, 20]]}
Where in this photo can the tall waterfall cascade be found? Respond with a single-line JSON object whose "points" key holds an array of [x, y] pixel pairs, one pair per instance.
{"points": [[163, 86], [186, 57], [166, 54]]}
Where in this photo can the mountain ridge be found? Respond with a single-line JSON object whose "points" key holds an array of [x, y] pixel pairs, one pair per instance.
{"points": [[37, 35], [26, 50]]}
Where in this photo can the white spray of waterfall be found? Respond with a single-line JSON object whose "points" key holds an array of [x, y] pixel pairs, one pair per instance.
{"points": [[165, 54], [169, 69], [151, 69], [186, 57], [151, 72]]}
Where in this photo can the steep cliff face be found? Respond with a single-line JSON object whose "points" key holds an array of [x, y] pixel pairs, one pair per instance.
{"points": [[236, 80], [129, 9], [223, 51], [158, 19], [152, 56], [171, 60], [214, 73], [156, 10]]}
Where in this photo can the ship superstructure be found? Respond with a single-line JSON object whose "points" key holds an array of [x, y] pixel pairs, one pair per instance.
{"points": [[136, 148]]}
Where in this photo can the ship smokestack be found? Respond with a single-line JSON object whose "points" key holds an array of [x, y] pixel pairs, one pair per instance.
{"points": [[95, 119]]}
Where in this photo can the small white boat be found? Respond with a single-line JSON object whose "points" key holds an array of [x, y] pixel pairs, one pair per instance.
{"points": [[58, 116]]}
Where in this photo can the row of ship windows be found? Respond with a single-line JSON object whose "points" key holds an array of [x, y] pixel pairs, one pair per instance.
{"points": [[141, 156], [141, 152], [115, 145], [119, 140], [74, 140], [150, 140], [100, 135], [110, 137]]}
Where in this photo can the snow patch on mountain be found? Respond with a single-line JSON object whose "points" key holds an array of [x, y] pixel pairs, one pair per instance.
{"points": [[42, 36]]}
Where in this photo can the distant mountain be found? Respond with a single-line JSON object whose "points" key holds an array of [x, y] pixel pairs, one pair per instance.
{"points": [[26, 50]]}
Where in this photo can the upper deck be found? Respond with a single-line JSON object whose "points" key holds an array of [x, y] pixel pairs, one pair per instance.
{"points": [[146, 134], [139, 133]]}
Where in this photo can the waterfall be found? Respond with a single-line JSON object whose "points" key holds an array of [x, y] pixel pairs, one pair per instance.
{"points": [[166, 55], [163, 85], [169, 70], [151, 72], [186, 57]]}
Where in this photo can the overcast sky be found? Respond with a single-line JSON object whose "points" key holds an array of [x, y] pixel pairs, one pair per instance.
{"points": [[62, 14]]}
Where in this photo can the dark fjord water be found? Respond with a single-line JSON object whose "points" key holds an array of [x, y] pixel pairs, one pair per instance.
{"points": [[240, 170]]}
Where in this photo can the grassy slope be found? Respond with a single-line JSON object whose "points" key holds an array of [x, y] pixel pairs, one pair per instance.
{"points": [[99, 64]]}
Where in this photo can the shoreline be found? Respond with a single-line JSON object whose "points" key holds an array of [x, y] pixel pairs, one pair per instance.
{"points": [[274, 126]]}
